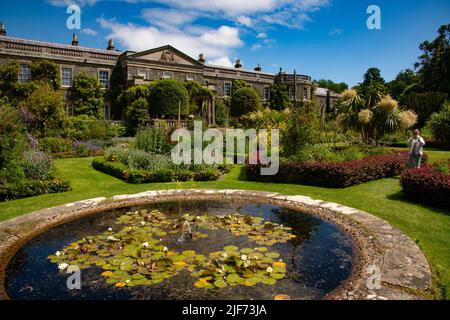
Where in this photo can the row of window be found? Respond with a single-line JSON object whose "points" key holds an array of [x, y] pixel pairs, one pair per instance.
{"points": [[145, 73], [292, 93], [66, 76]]}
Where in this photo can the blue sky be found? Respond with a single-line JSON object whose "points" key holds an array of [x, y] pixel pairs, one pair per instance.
{"points": [[322, 38]]}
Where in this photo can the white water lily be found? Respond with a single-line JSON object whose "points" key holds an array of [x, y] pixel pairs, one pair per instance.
{"points": [[142, 223], [165, 249], [127, 281], [57, 253], [110, 229], [145, 244], [62, 266], [269, 270], [244, 257], [224, 255]]}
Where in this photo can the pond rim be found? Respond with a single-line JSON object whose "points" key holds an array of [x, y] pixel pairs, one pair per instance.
{"points": [[405, 272]]}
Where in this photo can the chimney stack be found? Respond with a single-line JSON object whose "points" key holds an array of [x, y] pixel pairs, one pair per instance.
{"points": [[2, 29], [258, 68], [111, 46], [238, 64], [201, 58], [75, 40]]}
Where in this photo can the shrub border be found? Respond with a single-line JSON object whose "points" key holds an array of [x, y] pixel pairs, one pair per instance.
{"points": [[32, 188], [427, 186], [122, 172], [335, 174]]}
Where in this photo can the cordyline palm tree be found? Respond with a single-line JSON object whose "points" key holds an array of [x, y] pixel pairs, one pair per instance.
{"points": [[373, 114]]}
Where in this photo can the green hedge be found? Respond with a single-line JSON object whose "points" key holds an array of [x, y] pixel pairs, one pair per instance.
{"points": [[121, 171], [31, 188]]}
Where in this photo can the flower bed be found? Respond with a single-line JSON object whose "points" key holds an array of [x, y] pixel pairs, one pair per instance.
{"points": [[335, 174], [169, 174], [427, 185]]}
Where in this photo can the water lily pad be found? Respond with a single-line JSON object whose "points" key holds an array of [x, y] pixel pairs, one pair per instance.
{"points": [[269, 281], [188, 253], [234, 278], [231, 248], [220, 283], [272, 255]]}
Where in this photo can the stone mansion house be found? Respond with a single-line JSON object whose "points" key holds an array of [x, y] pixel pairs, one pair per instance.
{"points": [[141, 67]]}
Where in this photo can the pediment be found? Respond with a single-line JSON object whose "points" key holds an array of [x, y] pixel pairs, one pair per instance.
{"points": [[167, 54]]}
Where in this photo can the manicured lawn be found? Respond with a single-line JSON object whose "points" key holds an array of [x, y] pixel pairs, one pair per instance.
{"points": [[428, 226]]}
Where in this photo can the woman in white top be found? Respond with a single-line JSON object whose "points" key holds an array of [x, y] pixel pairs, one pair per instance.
{"points": [[415, 152]]}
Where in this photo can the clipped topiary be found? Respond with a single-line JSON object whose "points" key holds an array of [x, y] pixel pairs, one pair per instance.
{"points": [[168, 97], [243, 101]]}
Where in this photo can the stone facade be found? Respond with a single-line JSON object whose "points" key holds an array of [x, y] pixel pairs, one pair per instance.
{"points": [[145, 66], [326, 99]]}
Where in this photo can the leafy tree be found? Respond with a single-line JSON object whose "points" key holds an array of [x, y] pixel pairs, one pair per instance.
{"points": [[302, 130], [333, 86], [9, 73], [197, 95], [87, 96], [243, 101], [116, 88], [372, 81], [168, 97], [279, 97], [238, 84], [45, 104], [136, 116], [46, 71], [374, 114], [425, 104], [372, 75], [403, 83], [439, 124], [134, 93], [222, 113], [434, 64], [12, 144]]}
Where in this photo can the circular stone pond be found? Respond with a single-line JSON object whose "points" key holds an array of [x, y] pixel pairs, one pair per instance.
{"points": [[213, 249]]}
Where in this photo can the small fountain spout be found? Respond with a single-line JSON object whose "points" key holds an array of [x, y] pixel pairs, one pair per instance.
{"points": [[186, 231]]}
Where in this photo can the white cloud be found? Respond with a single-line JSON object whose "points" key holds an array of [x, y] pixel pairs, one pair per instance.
{"points": [[288, 13], [335, 32], [256, 46], [221, 61], [214, 43], [245, 21], [223, 37], [174, 22], [261, 35], [65, 3], [168, 17], [89, 31], [230, 7]]}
